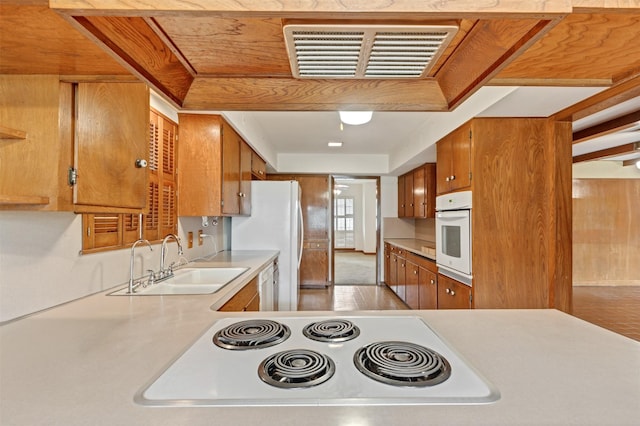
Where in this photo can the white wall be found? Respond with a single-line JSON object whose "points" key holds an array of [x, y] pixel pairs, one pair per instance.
{"points": [[369, 214], [41, 265], [346, 164], [604, 170]]}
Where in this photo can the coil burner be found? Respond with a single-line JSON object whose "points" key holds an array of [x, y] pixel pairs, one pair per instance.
{"points": [[251, 334], [402, 364], [296, 368], [332, 330]]}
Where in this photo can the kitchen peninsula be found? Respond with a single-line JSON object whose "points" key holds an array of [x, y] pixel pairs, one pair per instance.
{"points": [[83, 362]]}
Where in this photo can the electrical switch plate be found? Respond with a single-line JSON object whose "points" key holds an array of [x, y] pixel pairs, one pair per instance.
{"points": [[199, 237], [190, 240]]}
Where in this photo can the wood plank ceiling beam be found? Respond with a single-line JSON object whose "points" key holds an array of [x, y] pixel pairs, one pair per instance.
{"points": [[630, 148], [288, 94], [488, 48], [612, 126], [133, 42], [327, 9], [620, 92]]}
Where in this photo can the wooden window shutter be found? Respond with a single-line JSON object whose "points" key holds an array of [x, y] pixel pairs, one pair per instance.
{"points": [[131, 224], [168, 215], [152, 218], [154, 145], [101, 230], [168, 149]]}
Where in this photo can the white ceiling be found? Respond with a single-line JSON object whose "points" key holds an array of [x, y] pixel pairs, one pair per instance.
{"points": [[390, 132]]}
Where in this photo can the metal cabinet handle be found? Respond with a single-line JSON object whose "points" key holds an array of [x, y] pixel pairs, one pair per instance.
{"points": [[447, 179], [453, 177], [453, 293], [433, 281], [141, 163]]}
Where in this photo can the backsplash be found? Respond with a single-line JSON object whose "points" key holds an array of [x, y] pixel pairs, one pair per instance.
{"points": [[426, 229], [421, 229], [41, 265]]}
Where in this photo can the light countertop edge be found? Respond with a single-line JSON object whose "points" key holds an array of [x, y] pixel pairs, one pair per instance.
{"points": [[413, 245]]}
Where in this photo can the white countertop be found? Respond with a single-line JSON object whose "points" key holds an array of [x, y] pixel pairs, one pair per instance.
{"points": [[414, 245], [82, 363]]}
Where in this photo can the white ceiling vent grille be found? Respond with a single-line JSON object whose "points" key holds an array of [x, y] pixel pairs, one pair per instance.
{"points": [[350, 51]]}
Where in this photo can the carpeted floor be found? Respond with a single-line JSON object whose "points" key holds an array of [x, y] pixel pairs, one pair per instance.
{"points": [[354, 268]]}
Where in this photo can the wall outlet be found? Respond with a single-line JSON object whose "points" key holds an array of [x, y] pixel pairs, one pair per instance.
{"points": [[200, 237], [190, 239]]}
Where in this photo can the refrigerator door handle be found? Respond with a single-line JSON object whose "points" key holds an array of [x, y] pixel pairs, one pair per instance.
{"points": [[300, 233]]}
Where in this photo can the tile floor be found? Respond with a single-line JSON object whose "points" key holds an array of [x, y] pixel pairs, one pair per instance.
{"points": [[613, 308]]}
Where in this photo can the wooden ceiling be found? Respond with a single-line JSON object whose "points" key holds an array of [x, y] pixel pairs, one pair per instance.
{"points": [[234, 57]]}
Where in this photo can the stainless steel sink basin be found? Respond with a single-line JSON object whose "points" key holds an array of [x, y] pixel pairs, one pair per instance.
{"points": [[189, 281]]}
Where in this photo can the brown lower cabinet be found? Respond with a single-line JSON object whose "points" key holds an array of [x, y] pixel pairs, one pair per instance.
{"points": [[453, 294], [413, 278], [247, 299]]}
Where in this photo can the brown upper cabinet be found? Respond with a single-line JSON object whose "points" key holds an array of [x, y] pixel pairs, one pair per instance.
{"points": [[214, 168], [93, 134], [454, 160], [417, 192], [258, 167]]}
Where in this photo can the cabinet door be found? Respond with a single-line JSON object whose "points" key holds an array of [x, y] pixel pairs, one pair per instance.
{"points": [[258, 167], [387, 262], [393, 272], [230, 170], [419, 193], [411, 293], [401, 197], [429, 197], [245, 178], [444, 156], [428, 289], [402, 277], [111, 136], [314, 266], [461, 158], [315, 206], [408, 195], [453, 294], [245, 299], [199, 165]]}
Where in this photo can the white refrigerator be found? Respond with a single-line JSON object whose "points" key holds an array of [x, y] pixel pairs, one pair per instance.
{"points": [[275, 224]]}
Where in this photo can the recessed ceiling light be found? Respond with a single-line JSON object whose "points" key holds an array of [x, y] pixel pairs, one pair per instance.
{"points": [[355, 118], [334, 144]]}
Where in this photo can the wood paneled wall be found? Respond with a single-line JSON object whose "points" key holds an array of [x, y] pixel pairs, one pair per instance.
{"points": [[606, 232]]}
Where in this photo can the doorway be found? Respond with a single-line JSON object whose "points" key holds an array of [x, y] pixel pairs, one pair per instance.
{"points": [[355, 230]]}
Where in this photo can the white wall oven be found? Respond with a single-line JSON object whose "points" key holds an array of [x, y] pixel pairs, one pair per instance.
{"points": [[453, 236]]}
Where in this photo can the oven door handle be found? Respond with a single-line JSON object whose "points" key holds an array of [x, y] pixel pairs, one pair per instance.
{"points": [[452, 215]]}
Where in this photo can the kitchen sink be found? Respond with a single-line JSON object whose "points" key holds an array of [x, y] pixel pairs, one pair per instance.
{"points": [[189, 281]]}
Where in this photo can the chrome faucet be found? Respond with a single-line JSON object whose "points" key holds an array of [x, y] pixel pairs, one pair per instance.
{"points": [[168, 272], [132, 286]]}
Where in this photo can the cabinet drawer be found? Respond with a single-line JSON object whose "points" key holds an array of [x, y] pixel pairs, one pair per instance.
{"points": [[423, 262]]}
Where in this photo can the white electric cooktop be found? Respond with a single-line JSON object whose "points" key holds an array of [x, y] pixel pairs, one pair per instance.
{"points": [[411, 364]]}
